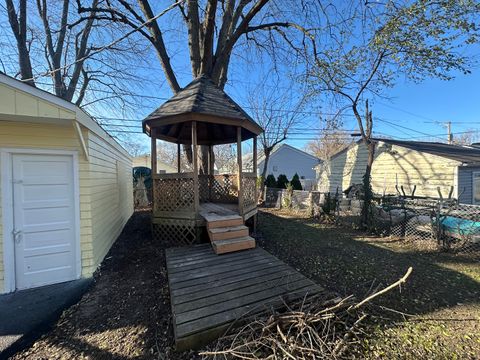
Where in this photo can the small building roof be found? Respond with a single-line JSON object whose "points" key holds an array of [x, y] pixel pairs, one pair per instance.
{"points": [[201, 100], [463, 154]]}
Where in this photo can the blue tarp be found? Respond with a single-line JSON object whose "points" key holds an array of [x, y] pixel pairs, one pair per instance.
{"points": [[461, 226]]}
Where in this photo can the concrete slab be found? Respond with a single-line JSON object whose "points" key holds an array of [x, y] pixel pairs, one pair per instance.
{"points": [[26, 314]]}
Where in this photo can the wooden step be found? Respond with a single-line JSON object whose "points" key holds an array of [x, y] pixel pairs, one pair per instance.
{"points": [[231, 245], [224, 221], [230, 232]]}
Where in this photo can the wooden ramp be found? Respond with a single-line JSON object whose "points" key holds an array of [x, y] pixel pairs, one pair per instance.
{"points": [[226, 229], [209, 292]]}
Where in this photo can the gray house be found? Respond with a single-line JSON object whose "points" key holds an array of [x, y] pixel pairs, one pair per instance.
{"points": [[288, 160], [428, 166]]}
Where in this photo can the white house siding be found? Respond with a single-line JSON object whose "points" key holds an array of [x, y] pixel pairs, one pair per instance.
{"points": [[288, 161], [393, 165]]}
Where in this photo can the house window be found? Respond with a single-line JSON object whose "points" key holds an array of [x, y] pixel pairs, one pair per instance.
{"points": [[476, 187], [275, 168]]}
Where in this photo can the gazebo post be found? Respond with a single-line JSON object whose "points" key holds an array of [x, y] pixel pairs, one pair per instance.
{"points": [[210, 171], [154, 153], [195, 167], [239, 163], [178, 158], [211, 162], [254, 170]]}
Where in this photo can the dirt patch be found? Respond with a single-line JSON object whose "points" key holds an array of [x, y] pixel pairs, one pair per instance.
{"points": [[126, 314], [441, 298]]}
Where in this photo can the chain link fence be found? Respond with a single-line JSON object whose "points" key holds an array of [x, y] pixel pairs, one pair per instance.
{"points": [[433, 224]]}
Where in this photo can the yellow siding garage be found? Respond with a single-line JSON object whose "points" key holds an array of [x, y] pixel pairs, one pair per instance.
{"points": [[33, 121], [393, 165]]}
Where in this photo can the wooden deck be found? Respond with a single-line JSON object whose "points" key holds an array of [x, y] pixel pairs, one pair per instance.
{"points": [[209, 292]]}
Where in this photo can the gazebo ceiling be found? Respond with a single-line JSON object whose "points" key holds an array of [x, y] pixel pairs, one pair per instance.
{"points": [[217, 116]]}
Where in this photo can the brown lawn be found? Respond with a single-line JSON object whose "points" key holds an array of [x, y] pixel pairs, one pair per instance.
{"points": [[126, 314], [441, 298]]}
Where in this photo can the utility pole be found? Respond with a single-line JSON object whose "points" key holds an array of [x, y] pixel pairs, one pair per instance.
{"points": [[448, 126], [449, 131]]}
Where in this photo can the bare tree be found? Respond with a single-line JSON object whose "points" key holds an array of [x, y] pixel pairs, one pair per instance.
{"points": [[212, 33], [54, 52], [467, 137], [18, 23], [58, 48], [225, 158], [277, 112], [372, 44], [135, 148], [330, 141]]}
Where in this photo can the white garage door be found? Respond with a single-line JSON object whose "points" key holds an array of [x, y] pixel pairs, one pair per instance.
{"points": [[44, 219]]}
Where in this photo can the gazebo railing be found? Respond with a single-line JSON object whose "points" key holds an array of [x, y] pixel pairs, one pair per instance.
{"points": [[249, 191], [221, 188], [175, 193]]}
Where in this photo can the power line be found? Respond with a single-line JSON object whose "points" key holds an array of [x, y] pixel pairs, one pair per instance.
{"points": [[405, 111], [404, 127]]}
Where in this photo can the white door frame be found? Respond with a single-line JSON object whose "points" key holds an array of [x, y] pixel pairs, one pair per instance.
{"points": [[6, 182]]}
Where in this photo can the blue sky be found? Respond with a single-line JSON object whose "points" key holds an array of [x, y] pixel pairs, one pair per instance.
{"points": [[410, 112]]}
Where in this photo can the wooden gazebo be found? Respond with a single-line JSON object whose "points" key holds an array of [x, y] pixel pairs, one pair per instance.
{"points": [[185, 203]]}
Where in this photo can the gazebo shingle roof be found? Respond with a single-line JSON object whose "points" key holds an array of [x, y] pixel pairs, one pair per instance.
{"points": [[202, 98]]}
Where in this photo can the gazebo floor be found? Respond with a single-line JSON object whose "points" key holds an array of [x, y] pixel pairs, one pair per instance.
{"points": [[209, 292]]}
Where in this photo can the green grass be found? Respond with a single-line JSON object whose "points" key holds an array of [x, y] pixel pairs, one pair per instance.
{"points": [[442, 294]]}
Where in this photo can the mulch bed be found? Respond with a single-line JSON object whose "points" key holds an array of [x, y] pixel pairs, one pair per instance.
{"points": [[126, 314]]}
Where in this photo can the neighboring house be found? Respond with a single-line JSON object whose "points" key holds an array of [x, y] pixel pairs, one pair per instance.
{"points": [[65, 189], [145, 160], [287, 160], [426, 165]]}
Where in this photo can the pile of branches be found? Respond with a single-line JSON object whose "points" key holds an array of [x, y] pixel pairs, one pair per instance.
{"points": [[311, 329]]}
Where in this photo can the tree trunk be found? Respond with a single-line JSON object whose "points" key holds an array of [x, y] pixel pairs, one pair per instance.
{"points": [[19, 29], [266, 153], [367, 187]]}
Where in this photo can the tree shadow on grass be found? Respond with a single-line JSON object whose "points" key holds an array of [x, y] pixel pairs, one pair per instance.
{"points": [[340, 260]]}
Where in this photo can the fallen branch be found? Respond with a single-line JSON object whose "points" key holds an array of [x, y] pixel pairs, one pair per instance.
{"points": [[387, 289], [308, 329]]}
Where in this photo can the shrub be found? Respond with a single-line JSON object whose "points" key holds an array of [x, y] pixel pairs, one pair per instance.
{"points": [[296, 184], [330, 204], [270, 181], [287, 197], [282, 181], [260, 182]]}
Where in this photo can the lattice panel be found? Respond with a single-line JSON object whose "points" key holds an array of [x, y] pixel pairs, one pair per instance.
{"points": [[224, 188], [175, 194], [175, 231], [249, 192], [204, 187]]}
